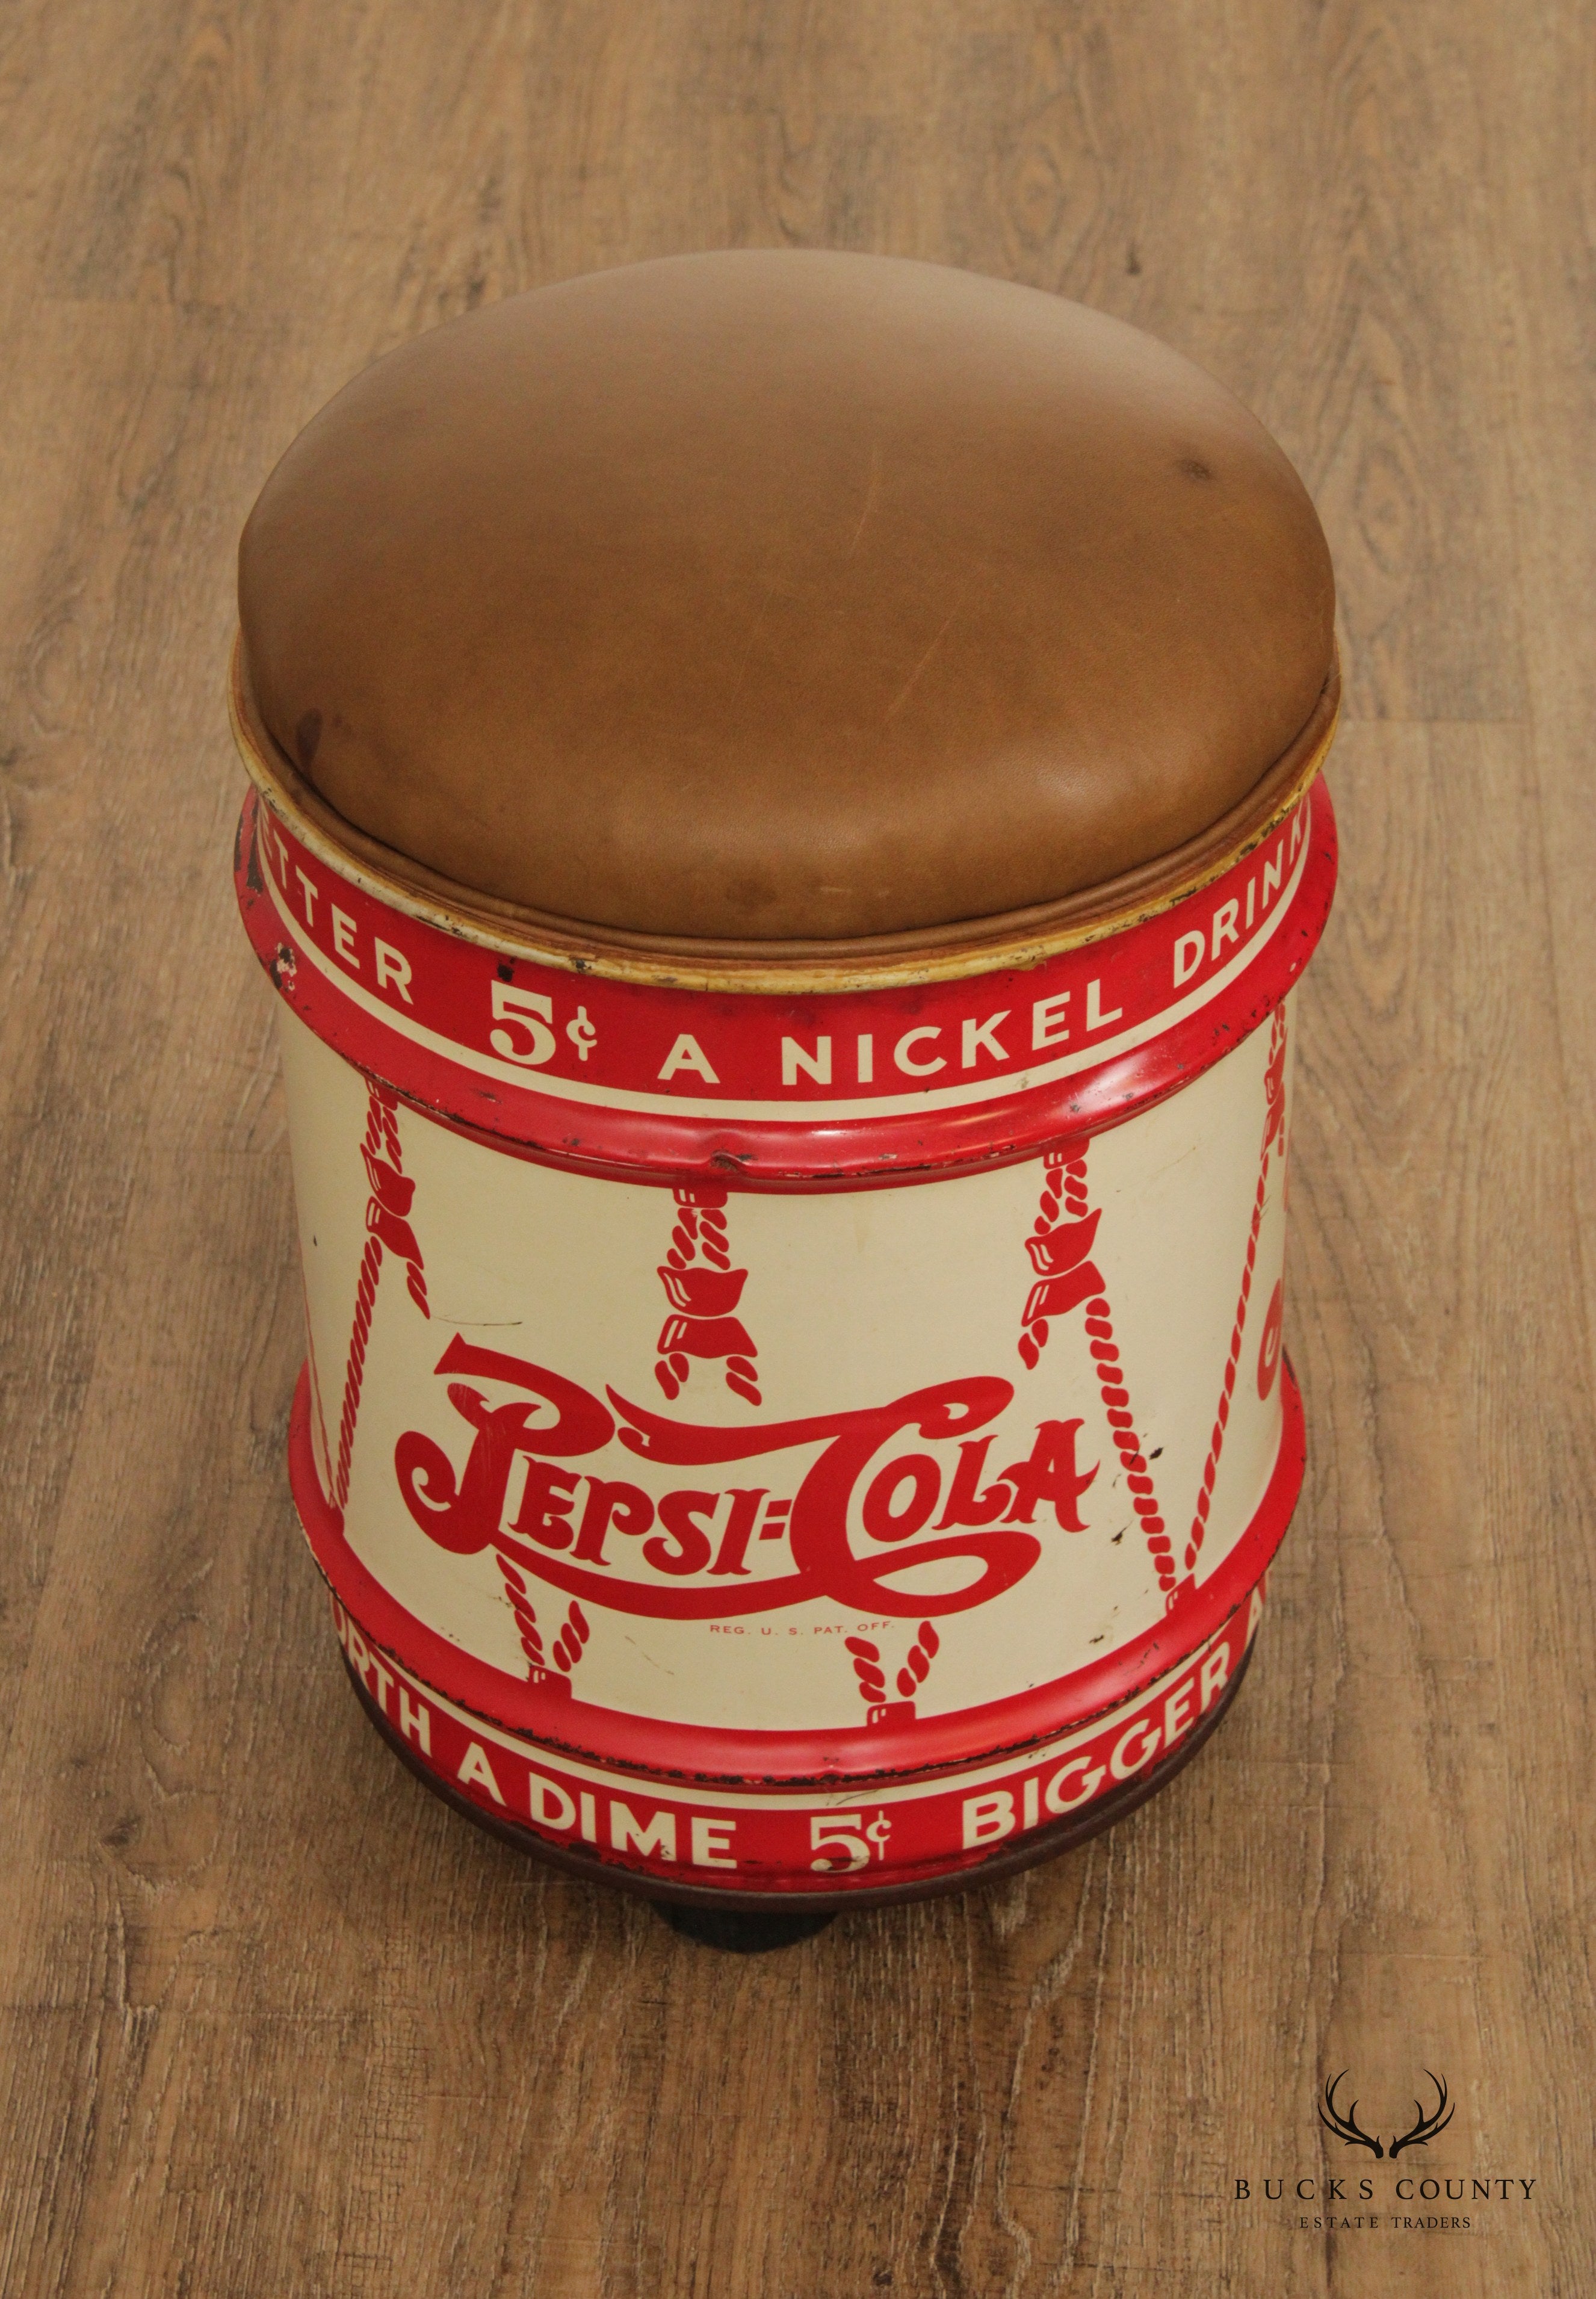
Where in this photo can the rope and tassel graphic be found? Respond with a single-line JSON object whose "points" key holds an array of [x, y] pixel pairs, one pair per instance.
{"points": [[1063, 1235], [1059, 1250], [569, 1642], [703, 1290], [870, 1670], [1273, 1136], [387, 1228]]}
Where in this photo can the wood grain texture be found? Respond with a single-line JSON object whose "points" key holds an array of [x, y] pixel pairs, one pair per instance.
{"points": [[273, 2022]]}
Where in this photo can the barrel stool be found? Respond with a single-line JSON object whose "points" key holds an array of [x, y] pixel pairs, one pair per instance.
{"points": [[784, 824]]}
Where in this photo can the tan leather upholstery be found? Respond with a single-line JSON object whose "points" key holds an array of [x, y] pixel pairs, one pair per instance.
{"points": [[775, 595]]}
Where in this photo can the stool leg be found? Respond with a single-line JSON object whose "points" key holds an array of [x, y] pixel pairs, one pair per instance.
{"points": [[742, 1931]]}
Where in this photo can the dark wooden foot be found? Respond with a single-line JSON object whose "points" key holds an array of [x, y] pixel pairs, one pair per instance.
{"points": [[740, 1930]]}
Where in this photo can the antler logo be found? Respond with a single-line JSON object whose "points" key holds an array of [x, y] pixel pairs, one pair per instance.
{"points": [[1347, 2129], [1427, 2126]]}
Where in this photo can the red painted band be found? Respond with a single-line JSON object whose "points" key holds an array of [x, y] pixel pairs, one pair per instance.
{"points": [[755, 1090], [869, 1837]]}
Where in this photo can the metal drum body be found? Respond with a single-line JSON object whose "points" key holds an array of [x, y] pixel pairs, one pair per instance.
{"points": [[769, 1441]]}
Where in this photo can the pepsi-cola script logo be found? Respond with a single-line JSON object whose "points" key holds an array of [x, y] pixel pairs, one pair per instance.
{"points": [[582, 1532]]}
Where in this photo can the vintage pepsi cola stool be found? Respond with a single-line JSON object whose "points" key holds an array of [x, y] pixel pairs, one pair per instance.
{"points": [[785, 824]]}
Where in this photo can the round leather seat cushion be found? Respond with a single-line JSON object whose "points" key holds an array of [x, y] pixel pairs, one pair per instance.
{"points": [[776, 595]]}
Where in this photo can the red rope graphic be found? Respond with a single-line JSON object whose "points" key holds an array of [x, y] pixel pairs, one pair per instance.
{"points": [[917, 1667], [703, 1289], [870, 1670], [365, 1297], [1116, 1400], [386, 1210], [574, 1631], [1065, 1278], [521, 1605], [1058, 1250], [1138, 1474], [1273, 1131]]}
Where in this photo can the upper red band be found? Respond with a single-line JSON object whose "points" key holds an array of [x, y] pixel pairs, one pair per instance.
{"points": [[853, 1086]]}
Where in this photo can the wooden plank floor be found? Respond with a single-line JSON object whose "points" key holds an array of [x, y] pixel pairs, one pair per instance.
{"points": [[273, 2022]]}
